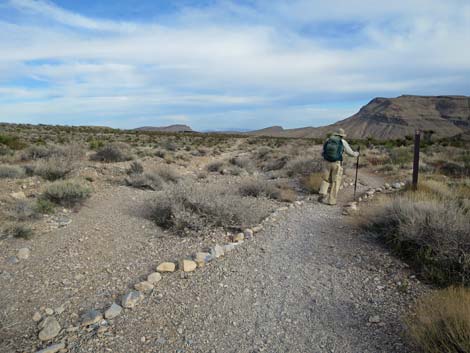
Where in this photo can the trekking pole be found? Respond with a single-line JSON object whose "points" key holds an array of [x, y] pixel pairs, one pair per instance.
{"points": [[357, 168]]}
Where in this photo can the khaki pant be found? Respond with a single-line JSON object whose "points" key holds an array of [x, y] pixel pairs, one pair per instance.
{"points": [[332, 174]]}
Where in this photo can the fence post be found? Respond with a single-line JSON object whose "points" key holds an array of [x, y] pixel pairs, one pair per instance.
{"points": [[416, 160]]}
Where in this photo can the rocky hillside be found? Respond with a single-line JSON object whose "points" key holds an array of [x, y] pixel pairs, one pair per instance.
{"points": [[392, 118], [171, 128]]}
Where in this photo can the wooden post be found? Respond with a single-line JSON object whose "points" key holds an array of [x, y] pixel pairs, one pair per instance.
{"points": [[416, 160]]}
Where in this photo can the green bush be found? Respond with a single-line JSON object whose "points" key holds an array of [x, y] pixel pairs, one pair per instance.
{"points": [[12, 142], [44, 206], [11, 171], [67, 193], [52, 169]]}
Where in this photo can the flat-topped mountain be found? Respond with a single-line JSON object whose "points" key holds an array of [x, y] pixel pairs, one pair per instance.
{"points": [[171, 128], [392, 118]]}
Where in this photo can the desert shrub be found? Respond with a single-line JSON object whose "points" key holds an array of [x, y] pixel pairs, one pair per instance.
{"points": [[285, 194], [401, 156], [147, 180], [441, 322], [53, 168], [20, 231], [453, 169], [12, 142], [44, 206], [170, 146], [135, 168], [5, 150], [312, 182], [160, 153], [66, 193], [275, 163], [263, 152], [95, 144], [190, 208], [304, 167], [428, 230], [11, 171], [258, 188], [242, 162], [35, 152], [112, 152], [22, 210], [168, 174], [215, 166]]}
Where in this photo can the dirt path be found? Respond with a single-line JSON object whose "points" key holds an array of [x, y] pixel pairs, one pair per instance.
{"points": [[307, 283]]}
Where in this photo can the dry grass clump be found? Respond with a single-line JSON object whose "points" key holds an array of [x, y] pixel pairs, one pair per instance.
{"points": [[112, 152], [430, 229], [258, 188], [11, 172], [168, 174], [312, 182], [215, 166], [189, 208], [53, 168], [66, 192], [146, 180], [441, 322], [304, 166], [242, 163]]}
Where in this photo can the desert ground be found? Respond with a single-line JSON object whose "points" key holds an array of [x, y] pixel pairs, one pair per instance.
{"points": [[92, 217]]}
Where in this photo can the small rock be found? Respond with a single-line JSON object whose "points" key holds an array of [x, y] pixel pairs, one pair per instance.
{"points": [[374, 319], [144, 287], [201, 258], [12, 260], [23, 253], [20, 195], [53, 348], [50, 328], [154, 277], [188, 265], [387, 186], [91, 317], [166, 267], [59, 310], [396, 185], [248, 233], [37, 316], [238, 237], [113, 311], [131, 299], [49, 311], [257, 229], [217, 251]]}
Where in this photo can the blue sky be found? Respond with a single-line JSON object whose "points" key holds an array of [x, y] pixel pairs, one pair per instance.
{"points": [[224, 64]]}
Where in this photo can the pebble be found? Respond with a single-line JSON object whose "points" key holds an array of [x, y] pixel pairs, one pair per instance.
{"points": [[53, 348], [257, 229], [131, 299], [113, 311], [238, 237], [188, 265], [217, 251], [166, 267], [37, 316], [13, 260], [154, 277], [374, 319], [50, 328], [23, 253], [201, 258], [91, 317], [49, 311], [144, 287]]}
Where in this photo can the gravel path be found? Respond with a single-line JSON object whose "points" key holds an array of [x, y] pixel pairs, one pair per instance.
{"points": [[305, 284]]}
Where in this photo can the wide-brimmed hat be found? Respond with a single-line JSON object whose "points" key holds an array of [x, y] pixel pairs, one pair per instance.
{"points": [[340, 132]]}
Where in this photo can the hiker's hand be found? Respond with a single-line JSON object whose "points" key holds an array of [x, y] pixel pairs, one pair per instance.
{"points": [[356, 154]]}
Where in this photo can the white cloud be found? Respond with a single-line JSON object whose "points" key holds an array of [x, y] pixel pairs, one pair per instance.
{"points": [[229, 55]]}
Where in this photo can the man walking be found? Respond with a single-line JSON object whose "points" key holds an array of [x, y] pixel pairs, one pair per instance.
{"points": [[332, 153]]}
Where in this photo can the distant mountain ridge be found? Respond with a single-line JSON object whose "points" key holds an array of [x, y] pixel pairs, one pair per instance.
{"points": [[170, 128], [392, 118]]}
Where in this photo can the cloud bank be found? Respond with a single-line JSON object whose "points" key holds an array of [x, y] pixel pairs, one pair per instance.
{"points": [[224, 65]]}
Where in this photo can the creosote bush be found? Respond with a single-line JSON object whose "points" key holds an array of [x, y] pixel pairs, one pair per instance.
{"points": [[67, 193], [441, 322]]}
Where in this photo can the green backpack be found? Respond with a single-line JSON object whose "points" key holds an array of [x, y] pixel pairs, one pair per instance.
{"points": [[333, 149]]}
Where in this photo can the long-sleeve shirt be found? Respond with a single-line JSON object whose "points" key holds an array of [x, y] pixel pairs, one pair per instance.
{"points": [[348, 149]]}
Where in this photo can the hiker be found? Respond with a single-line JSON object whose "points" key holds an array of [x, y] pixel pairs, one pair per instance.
{"points": [[332, 153]]}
